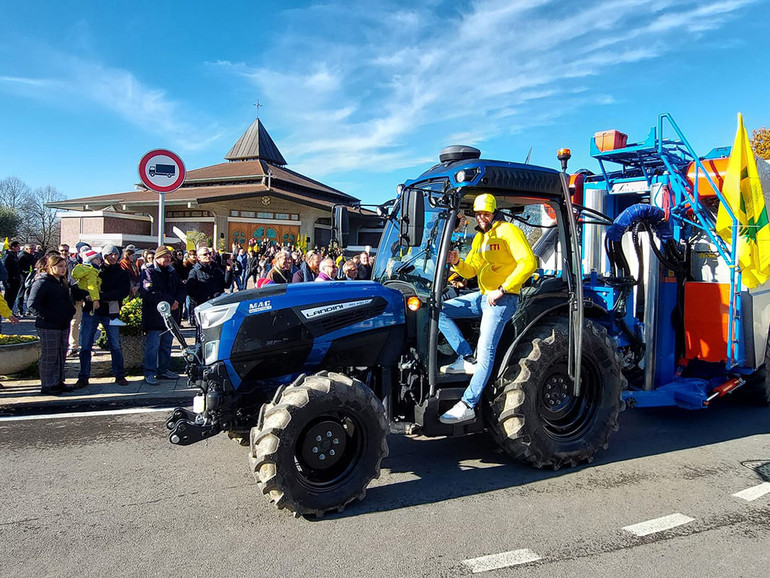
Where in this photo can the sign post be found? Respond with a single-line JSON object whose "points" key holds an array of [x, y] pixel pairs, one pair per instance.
{"points": [[163, 172]]}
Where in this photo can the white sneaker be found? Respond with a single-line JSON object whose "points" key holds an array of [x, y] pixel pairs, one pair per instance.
{"points": [[459, 365], [460, 413]]}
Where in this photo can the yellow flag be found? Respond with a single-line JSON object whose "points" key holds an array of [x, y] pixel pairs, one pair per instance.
{"points": [[6, 245], [743, 192]]}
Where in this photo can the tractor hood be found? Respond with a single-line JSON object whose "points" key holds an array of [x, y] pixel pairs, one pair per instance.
{"points": [[280, 331]]}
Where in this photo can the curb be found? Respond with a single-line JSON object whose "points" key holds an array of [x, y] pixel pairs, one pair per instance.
{"points": [[98, 402]]}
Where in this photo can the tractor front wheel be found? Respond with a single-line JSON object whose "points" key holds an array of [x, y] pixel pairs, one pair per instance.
{"points": [[532, 411], [319, 444]]}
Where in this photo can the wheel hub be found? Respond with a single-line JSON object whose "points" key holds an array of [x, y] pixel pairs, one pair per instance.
{"points": [[557, 393], [324, 444]]}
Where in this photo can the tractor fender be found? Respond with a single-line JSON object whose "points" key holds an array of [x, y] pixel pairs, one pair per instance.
{"points": [[522, 326], [511, 337]]}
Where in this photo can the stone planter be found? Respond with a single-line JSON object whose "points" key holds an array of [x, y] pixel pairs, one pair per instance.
{"points": [[133, 352], [18, 357], [133, 357]]}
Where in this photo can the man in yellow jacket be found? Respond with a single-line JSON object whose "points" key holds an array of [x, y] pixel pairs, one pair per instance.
{"points": [[502, 259]]}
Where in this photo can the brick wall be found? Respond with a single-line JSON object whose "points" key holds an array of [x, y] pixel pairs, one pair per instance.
{"points": [[126, 226], [70, 229]]}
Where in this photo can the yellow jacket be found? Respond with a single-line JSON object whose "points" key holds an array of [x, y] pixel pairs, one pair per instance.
{"points": [[501, 257], [88, 279], [5, 311]]}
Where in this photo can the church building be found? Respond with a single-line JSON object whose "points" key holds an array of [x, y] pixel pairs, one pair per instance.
{"points": [[251, 195]]}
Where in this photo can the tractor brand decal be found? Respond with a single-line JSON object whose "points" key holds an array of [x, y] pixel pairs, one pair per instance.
{"points": [[260, 306], [326, 309]]}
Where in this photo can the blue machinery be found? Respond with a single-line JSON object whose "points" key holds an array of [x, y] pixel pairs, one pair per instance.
{"points": [[654, 172]]}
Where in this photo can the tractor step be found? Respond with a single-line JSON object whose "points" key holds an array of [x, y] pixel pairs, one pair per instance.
{"points": [[427, 413]]}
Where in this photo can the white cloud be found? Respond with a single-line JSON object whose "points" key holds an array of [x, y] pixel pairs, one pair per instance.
{"points": [[78, 82], [19, 80], [349, 105]]}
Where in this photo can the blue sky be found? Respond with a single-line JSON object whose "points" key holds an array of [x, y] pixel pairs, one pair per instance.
{"points": [[363, 95]]}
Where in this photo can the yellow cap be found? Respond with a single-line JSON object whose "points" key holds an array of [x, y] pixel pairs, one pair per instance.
{"points": [[485, 202]]}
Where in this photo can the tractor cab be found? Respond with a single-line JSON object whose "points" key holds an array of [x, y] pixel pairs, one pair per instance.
{"points": [[432, 215]]}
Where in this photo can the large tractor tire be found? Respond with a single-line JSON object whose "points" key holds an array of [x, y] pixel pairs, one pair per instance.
{"points": [[319, 444], [757, 387], [531, 410]]}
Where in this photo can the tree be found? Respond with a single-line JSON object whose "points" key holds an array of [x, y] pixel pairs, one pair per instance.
{"points": [[760, 142], [14, 193], [41, 223], [10, 221]]}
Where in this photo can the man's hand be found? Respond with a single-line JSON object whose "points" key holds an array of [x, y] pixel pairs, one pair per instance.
{"points": [[452, 257], [14, 320], [494, 296], [174, 306]]}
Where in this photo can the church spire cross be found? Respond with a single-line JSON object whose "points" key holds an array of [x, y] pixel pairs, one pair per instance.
{"points": [[258, 106]]}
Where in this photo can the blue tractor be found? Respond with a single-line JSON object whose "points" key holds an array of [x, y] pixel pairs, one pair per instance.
{"points": [[313, 376]]}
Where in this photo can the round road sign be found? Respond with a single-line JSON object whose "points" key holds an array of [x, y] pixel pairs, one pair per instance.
{"points": [[162, 171]]}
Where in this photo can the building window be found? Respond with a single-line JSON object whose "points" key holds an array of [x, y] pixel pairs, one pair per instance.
{"points": [[284, 216], [233, 213], [239, 237], [295, 217], [265, 215], [247, 214]]}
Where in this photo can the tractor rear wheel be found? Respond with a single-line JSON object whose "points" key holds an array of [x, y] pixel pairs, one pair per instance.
{"points": [[319, 444], [531, 410]]}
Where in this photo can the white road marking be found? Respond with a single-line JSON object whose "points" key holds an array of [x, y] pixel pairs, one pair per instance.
{"points": [[753, 493], [504, 560], [658, 524], [128, 411]]}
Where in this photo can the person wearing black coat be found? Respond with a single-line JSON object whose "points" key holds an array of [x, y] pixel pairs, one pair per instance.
{"points": [[27, 260], [50, 303], [13, 283], [207, 279], [159, 282], [116, 286]]}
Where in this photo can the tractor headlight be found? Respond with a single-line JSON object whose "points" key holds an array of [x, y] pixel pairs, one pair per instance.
{"points": [[210, 352], [212, 316]]}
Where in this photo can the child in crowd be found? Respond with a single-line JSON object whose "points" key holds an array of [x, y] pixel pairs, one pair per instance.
{"points": [[87, 276]]}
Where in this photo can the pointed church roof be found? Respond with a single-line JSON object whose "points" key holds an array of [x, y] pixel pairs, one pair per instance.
{"points": [[256, 144]]}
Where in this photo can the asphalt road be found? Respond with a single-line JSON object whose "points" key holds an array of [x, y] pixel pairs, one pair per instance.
{"points": [[99, 496]]}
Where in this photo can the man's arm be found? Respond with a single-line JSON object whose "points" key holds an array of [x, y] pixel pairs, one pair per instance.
{"points": [[472, 264]]}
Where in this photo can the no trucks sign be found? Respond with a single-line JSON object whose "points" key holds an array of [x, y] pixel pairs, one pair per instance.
{"points": [[162, 171]]}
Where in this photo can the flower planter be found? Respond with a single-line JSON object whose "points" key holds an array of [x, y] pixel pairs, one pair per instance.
{"points": [[18, 357]]}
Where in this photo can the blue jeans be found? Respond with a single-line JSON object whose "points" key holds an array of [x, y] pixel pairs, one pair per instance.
{"points": [[89, 327], [493, 320], [157, 352]]}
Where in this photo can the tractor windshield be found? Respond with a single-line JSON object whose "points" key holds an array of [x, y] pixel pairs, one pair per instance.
{"points": [[416, 265]]}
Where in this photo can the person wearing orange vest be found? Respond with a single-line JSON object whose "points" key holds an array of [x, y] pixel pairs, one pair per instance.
{"points": [[502, 260]]}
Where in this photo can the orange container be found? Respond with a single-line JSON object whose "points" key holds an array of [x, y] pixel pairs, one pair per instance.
{"points": [[706, 313], [609, 140], [716, 168]]}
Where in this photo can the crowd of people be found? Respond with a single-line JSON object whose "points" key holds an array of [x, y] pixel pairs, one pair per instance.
{"points": [[73, 292]]}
